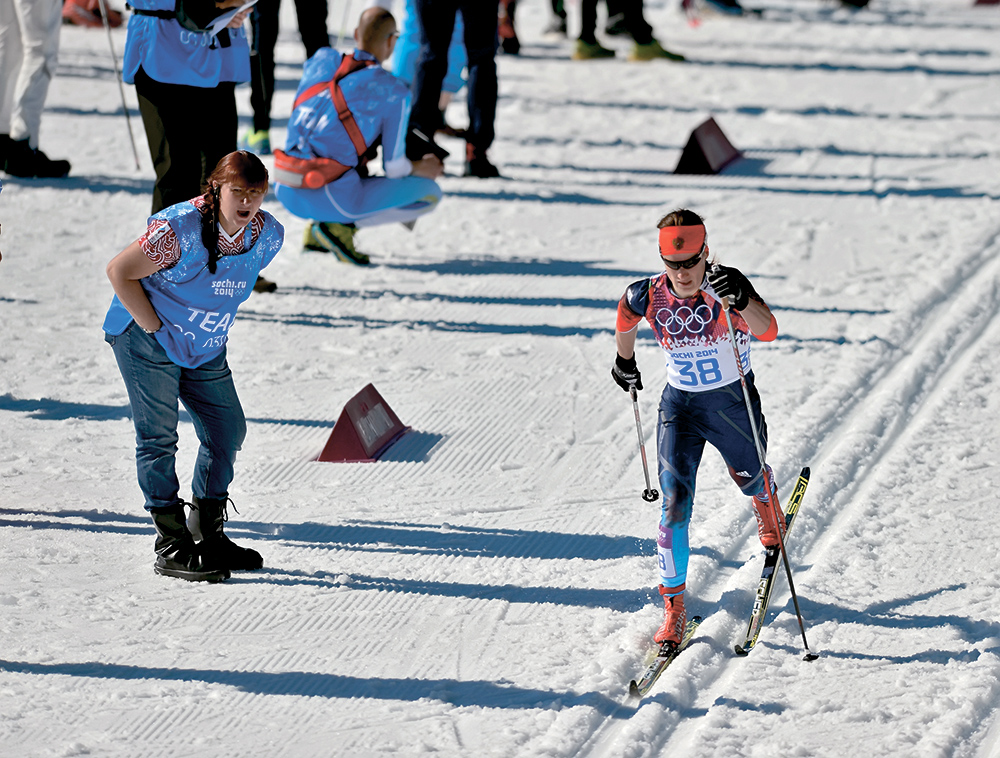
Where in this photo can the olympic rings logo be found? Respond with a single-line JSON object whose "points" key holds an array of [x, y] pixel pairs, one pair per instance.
{"points": [[681, 319]]}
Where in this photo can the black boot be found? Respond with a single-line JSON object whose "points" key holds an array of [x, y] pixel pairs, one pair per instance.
{"points": [[176, 553], [208, 516], [477, 164], [27, 162]]}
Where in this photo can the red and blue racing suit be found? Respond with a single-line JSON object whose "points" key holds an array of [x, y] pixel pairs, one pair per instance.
{"points": [[702, 402]]}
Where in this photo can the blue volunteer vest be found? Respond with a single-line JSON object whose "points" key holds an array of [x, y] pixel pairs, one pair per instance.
{"points": [[171, 54], [197, 307]]}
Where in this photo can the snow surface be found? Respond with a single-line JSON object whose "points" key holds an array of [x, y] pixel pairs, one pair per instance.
{"points": [[488, 588]]}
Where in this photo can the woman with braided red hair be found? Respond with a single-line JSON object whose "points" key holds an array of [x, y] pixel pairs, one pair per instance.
{"points": [[703, 400], [177, 290]]}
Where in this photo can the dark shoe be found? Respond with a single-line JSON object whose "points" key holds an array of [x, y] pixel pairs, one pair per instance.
{"points": [[510, 45], [505, 29], [206, 521], [176, 553], [27, 162], [264, 285], [588, 51], [478, 165], [652, 51]]}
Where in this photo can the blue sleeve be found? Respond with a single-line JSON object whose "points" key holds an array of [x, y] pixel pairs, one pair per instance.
{"points": [[637, 297], [395, 121]]}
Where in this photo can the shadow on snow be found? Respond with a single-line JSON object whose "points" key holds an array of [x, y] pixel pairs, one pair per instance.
{"points": [[477, 693]]}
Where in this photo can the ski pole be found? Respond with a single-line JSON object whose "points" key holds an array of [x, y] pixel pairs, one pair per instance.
{"points": [[343, 24], [772, 493], [118, 76], [649, 494]]}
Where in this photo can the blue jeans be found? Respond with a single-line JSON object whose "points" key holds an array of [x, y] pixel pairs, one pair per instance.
{"points": [[155, 384]]}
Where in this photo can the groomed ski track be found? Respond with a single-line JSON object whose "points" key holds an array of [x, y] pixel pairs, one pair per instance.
{"points": [[854, 452], [488, 587]]}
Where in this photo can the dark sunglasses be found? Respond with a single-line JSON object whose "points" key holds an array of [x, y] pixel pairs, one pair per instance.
{"points": [[689, 263]]}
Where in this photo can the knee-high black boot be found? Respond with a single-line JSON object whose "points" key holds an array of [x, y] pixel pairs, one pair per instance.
{"points": [[208, 516], [176, 553]]}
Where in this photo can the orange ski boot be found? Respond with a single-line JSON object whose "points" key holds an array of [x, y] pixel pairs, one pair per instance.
{"points": [[769, 519], [674, 616]]}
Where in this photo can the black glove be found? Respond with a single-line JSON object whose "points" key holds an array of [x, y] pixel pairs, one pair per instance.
{"points": [[730, 282], [626, 373]]}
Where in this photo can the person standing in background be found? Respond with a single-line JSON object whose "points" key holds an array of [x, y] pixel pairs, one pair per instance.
{"points": [[437, 20], [29, 51], [312, 21], [185, 79]]}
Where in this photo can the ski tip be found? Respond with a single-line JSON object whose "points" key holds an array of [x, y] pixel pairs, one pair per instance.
{"points": [[741, 651], [806, 473]]}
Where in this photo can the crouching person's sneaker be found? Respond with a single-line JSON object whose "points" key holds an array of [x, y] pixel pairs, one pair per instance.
{"points": [[257, 142], [336, 238]]}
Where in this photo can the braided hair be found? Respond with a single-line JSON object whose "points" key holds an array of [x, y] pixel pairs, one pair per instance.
{"points": [[210, 225], [240, 167]]}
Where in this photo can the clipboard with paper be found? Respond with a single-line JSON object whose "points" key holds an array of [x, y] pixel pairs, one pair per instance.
{"points": [[221, 22]]}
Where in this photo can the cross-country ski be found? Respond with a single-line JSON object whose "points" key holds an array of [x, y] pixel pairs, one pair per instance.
{"points": [[666, 655], [772, 559]]}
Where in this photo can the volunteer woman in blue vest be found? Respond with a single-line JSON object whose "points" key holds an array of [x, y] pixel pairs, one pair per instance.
{"points": [[703, 400], [185, 78], [177, 289]]}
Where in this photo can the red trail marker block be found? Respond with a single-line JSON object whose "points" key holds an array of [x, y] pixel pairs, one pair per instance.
{"points": [[366, 428], [707, 151]]}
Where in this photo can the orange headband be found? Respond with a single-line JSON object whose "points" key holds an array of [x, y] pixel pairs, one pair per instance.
{"points": [[682, 240]]}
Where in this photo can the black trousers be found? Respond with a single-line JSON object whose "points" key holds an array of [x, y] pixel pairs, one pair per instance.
{"points": [[311, 16], [189, 130], [436, 19], [634, 20]]}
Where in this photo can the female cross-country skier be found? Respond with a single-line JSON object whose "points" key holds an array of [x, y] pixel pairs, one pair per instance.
{"points": [[703, 400], [177, 289]]}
